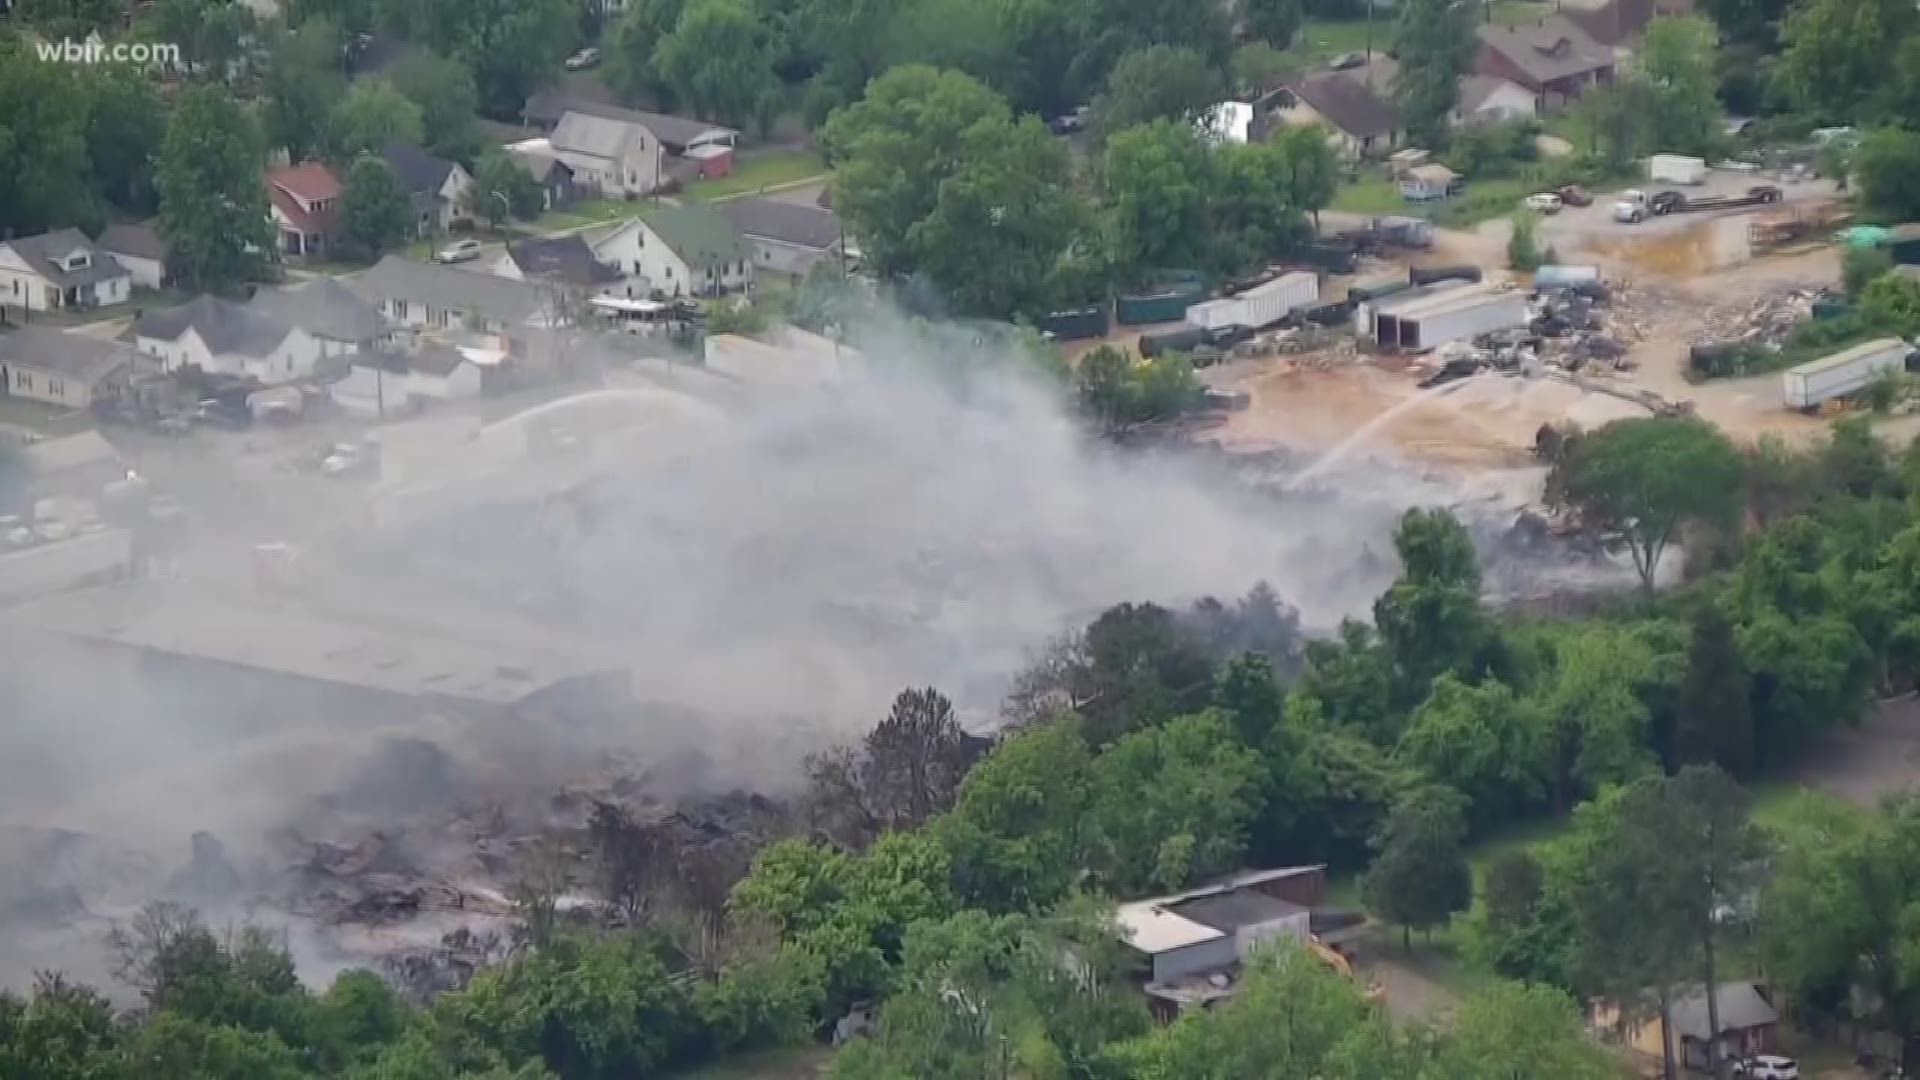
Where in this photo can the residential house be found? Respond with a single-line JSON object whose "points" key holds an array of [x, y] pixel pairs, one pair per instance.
{"points": [[1749, 1024], [1617, 24], [611, 156], [437, 188], [555, 177], [1191, 945], [688, 148], [786, 237], [566, 261], [1228, 122], [1360, 120], [1486, 99], [449, 300], [138, 247], [60, 271], [341, 322], [304, 201], [1551, 58], [689, 250], [390, 383], [223, 337], [40, 363]]}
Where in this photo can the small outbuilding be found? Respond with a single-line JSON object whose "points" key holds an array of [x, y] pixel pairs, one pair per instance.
{"points": [[1424, 182]]}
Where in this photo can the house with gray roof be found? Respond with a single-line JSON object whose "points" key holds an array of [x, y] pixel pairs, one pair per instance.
{"points": [[786, 237], [690, 250], [615, 156], [60, 271], [1551, 57], [679, 134], [1359, 117], [224, 337], [340, 320], [39, 363], [560, 260], [449, 300], [436, 188], [138, 246]]}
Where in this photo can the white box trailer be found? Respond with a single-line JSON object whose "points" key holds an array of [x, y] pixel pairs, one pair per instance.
{"points": [[1845, 372], [1676, 169], [1451, 315], [1261, 306]]}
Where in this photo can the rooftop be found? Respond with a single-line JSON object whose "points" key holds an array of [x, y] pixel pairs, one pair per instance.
{"points": [[310, 180], [1848, 356], [393, 277], [566, 259], [324, 308], [1548, 49], [420, 173], [1347, 103], [80, 357], [702, 237], [286, 638], [1207, 913], [551, 105], [47, 254], [138, 239], [1740, 1006], [225, 327], [1230, 911], [786, 222]]}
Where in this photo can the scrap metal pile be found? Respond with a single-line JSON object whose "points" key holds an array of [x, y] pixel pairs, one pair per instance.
{"points": [[1765, 321]]}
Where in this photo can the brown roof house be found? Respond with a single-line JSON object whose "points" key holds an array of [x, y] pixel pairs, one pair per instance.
{"points": [[1617, 24], [1551, 57], [1749, 1025], [1355, 107], [305, 205]]}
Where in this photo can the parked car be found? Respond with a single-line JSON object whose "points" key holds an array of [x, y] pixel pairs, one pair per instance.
{"points": [[1346, 61], [584, 59], [1543, 202], [1767, 1067], [1574, 195], [458, 251]]}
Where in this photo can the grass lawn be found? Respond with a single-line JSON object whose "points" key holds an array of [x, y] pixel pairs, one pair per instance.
{"points": [[1479, 201], [1324, 39], [586, 212], [767, 170]]}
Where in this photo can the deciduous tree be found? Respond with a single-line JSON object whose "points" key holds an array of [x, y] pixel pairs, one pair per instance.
{"points": [[718, 61], [303, 84], [371, 115], [213, 209], [1419, 878], [1435, 42], [1636, 482], [374, 211], [1160, 82]]}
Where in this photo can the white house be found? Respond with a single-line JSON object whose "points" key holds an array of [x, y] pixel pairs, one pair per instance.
{"points": [[60, 270], [447, 299], [786, 237], [1359, 121], [436, 187], [390, 384], [40, 363], [690, 250], [225, 338], [616, 156], [138, 247], [567, 262], [1489, 98]]}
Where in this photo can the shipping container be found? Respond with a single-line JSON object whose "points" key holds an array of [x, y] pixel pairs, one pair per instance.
{"points": [[1165, 298], [1260, 306], [1459, 314], [1077, 324], [1183, 340], [1428, 275], [1330, 257], [1375, 288], [1843, 373], [1565, 276], [1408, 232], [1364, 310], [1676, 169]]}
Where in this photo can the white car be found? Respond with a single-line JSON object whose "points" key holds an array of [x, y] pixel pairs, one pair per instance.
{"points": [[458, 251], [583, 59], [1767, 1067], [1544, 202]]}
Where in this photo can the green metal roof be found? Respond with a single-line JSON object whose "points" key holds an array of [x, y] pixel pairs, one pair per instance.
{"points": [[702, 237]]}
